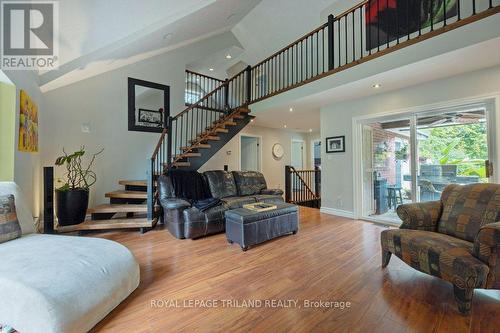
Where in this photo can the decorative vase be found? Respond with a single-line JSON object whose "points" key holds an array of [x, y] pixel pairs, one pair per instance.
{"points": [[71, 206]]}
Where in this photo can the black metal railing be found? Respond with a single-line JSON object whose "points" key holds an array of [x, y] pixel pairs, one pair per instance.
{"points": [[302, 187], [198, 85]]}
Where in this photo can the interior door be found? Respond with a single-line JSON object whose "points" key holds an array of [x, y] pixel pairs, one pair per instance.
{"points": [[297, 159], [250, 154]]}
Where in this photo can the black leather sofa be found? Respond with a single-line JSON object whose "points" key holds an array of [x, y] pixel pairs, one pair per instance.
{"points": [[234, 189]]}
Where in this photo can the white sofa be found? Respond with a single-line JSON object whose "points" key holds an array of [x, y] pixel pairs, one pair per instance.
{"points": [[60, 284]]}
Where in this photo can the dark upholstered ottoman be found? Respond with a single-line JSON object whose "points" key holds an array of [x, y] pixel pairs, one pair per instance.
{"points": [[247, 227]]}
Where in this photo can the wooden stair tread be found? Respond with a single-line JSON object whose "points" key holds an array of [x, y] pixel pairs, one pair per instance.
{"points": [[133, 183], [245, 110], [122, 194], [238, 116], [181, 164], [198, 146], [221, 130], [185, 155], [114, 208], [230, 123], [126, 223]]}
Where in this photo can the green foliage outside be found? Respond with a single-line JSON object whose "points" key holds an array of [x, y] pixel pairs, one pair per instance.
{"points": [[464, 145]]}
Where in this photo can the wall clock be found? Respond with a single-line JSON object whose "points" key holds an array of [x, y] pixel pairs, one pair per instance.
{"points": [[278, 150]]}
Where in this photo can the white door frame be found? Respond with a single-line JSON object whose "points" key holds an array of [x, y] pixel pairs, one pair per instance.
{"points": [[490, 102], [260, 149], [312, 152], [303, 152]]}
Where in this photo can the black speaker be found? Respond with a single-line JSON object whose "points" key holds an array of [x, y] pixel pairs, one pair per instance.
{"points": [[226, 167], [48, 200]]}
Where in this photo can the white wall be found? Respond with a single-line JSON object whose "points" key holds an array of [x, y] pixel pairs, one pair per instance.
{"points": [[101, 101], [272, 168], [336, 119], [27, 168]]}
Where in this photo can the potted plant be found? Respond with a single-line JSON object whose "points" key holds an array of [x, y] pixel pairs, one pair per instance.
{"points": [[72, 198]]}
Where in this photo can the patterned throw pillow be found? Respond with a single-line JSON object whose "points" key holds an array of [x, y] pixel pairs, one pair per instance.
{"points": [[9, 225]]}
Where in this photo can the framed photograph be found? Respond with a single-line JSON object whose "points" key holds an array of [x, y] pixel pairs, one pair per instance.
{"points": [[335, 144], [151, 117]]}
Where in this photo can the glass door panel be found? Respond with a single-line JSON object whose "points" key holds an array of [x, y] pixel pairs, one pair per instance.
{"points": [[452, 149], [387, 180]]}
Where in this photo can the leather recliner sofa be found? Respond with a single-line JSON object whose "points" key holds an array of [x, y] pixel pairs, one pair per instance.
{"points": [[234, 189]]}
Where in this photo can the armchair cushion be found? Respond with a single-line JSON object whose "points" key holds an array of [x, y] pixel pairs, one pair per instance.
{"points": [[443, 256], [274, 191], [420, 216], [221, 183], [249, 182], [467, 208], [174, 203], [487, 249]]}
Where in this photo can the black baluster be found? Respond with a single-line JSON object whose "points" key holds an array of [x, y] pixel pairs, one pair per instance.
{"points": [[432, 15], [474, 7], [361, 31], [408, 19], [345, 26], [388, 25], [378, 26]]}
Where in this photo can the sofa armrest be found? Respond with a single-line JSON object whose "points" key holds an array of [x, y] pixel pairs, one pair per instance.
{"points": [[487, 249], [420, 216], [174, 203], [275, 191]]}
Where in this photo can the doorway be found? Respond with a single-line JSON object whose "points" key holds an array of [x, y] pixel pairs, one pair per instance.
{"points": [[250, 148], [297, 157], [412, 158]]}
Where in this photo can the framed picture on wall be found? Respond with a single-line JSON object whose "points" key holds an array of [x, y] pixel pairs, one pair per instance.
{"points": [[151, 116], [335, 144]]}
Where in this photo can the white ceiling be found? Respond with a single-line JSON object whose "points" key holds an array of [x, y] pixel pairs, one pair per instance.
{"points": [[306, 112], [95, 33]]}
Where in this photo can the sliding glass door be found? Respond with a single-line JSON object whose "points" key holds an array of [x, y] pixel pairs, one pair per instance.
{"points": [[452, 149], [413, 158]]}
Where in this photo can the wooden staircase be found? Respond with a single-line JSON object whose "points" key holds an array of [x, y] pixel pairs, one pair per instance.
{"points": [[207, 143], [126, 210]]}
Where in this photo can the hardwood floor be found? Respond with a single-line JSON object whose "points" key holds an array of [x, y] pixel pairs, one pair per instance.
{"points": [[330, 259]]}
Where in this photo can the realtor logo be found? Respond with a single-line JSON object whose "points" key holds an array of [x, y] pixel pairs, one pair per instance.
{"points": [[29, 36]]}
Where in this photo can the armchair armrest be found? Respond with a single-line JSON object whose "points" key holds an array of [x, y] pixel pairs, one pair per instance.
{"points": [[487, 249], [174, 203], [420, 216], [275, 191]]}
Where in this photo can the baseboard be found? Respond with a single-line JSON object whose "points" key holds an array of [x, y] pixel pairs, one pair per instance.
{"points": [[337, 212]]}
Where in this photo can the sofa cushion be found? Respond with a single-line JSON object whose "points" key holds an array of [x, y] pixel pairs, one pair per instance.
{"points": [[221, 183], [52, 283], [249, 182], [237, 202], [9, 225], [23, 210], [199, 224], [443, 256], [467, 208], [269, 198]]}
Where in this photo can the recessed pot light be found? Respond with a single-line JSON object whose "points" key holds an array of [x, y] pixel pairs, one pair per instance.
{"points": [[376, 85], [310, 130], [291, 110], [228, 56], [211, 69], [284, 126]]}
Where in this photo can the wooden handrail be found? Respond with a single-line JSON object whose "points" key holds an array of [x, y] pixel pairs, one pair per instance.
{"points": [[351, 10], [192, 106], [160, 142]]}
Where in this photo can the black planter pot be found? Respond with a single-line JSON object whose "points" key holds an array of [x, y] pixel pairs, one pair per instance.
{"points": [[71, 206]]}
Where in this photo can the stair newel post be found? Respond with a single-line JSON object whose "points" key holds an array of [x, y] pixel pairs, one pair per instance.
{"points": [[287, 183], [317, 180], [248, 84], [331, 62], [169, 142], [150, 188], [226, 95]]}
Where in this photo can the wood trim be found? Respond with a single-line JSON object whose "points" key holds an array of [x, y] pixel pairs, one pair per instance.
{"points": [[127, 194], [431, 34]]}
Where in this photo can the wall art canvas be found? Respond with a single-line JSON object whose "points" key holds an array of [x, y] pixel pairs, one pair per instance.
{"points": [[28, 124], [386, 20]]}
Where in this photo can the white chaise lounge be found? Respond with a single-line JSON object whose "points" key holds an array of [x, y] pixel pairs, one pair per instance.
{"points": [[60, 284]]}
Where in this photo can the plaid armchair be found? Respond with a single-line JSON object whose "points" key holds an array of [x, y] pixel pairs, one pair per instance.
{"points": [[456, 239]]}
